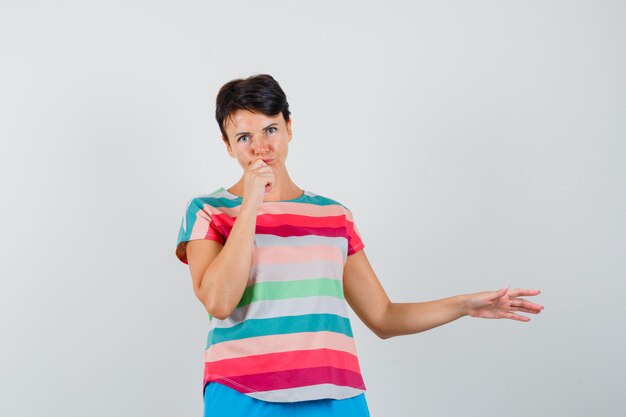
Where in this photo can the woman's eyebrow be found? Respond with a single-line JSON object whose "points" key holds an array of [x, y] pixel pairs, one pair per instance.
{"points": [[270, 125], [248, 133]]}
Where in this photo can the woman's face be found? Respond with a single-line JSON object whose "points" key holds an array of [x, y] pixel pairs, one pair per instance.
{"points": [[253, 136]]}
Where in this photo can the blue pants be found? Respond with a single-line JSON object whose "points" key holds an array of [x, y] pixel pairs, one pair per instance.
{"points": [[220, 400]]}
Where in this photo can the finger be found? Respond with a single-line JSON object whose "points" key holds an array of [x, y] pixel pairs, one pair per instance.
{"points": [[270, 180], [517, 317], [524, 292], [498, 294], [266, 170], [520, 302], [257, 163], [525, 310]]}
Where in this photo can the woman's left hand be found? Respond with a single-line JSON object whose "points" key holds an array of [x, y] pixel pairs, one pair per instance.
{"points": [[501, 304]]}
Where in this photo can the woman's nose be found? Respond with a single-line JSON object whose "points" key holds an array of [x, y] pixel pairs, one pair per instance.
{"points": [[260, 145]]}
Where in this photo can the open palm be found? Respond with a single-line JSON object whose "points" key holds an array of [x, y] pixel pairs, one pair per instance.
{"points": [[502, 304]]}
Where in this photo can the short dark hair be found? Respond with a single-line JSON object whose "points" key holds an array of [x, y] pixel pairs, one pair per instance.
{"points": [[258, 93]]}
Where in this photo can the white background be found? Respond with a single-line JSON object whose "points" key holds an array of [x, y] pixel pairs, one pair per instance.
{"points": [[479, 144]]}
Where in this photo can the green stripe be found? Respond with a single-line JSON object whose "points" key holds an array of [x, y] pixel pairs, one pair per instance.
{"points": [[281, 325], [291, 289]]}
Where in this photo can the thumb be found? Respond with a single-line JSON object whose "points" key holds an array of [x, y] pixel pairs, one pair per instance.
{"points": [[499, 293], [256, 163]]}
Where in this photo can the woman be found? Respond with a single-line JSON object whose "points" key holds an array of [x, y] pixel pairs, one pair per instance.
{"points": [[274, 265]]}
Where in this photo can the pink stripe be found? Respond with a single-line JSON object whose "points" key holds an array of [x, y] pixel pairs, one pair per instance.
{"points": [[200, 226], [284, 361], [291, 379], [290, 254], [303, 209], [289, 230], [279, 343], [299, 220], [355, 243]]}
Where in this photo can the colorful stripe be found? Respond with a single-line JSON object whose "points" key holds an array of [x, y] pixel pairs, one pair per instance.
{"points": [[307, 393], [292, 378], [281, 325], [280, 343], [283, 361], [267, 309], [291, 289], [288, 271], [303, 254]]}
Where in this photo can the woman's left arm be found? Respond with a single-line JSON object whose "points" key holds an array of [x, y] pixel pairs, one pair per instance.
{"points": [[369, 301]]}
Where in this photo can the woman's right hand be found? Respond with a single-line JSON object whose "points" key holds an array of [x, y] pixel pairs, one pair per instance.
{"points": [[258, 181]]}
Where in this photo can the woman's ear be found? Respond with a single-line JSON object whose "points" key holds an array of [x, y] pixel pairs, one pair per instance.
{"points": [[289, 128]]}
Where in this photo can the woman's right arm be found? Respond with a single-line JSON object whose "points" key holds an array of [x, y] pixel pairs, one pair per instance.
{"points": [[220, 272]]}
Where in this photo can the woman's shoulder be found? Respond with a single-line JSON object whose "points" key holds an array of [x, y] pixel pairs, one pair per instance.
{"points": [[217, 198], [326, 200]]}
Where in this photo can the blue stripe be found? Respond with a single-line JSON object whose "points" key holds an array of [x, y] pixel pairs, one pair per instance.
{"points": [[228, 202], [281, 325]]}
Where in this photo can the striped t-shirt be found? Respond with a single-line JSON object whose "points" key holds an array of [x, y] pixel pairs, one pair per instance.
{"points": [[290, 338]]}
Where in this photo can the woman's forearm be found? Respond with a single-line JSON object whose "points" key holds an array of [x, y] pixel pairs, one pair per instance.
{"points": [[408, 318], [225, 280]]}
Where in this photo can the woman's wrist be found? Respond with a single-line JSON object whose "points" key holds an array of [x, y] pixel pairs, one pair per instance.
{"points": [[463, 304], [248, 209]]}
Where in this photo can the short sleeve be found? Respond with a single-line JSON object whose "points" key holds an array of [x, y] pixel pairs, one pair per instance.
{"points": [[355, 243], [196, 224]]}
